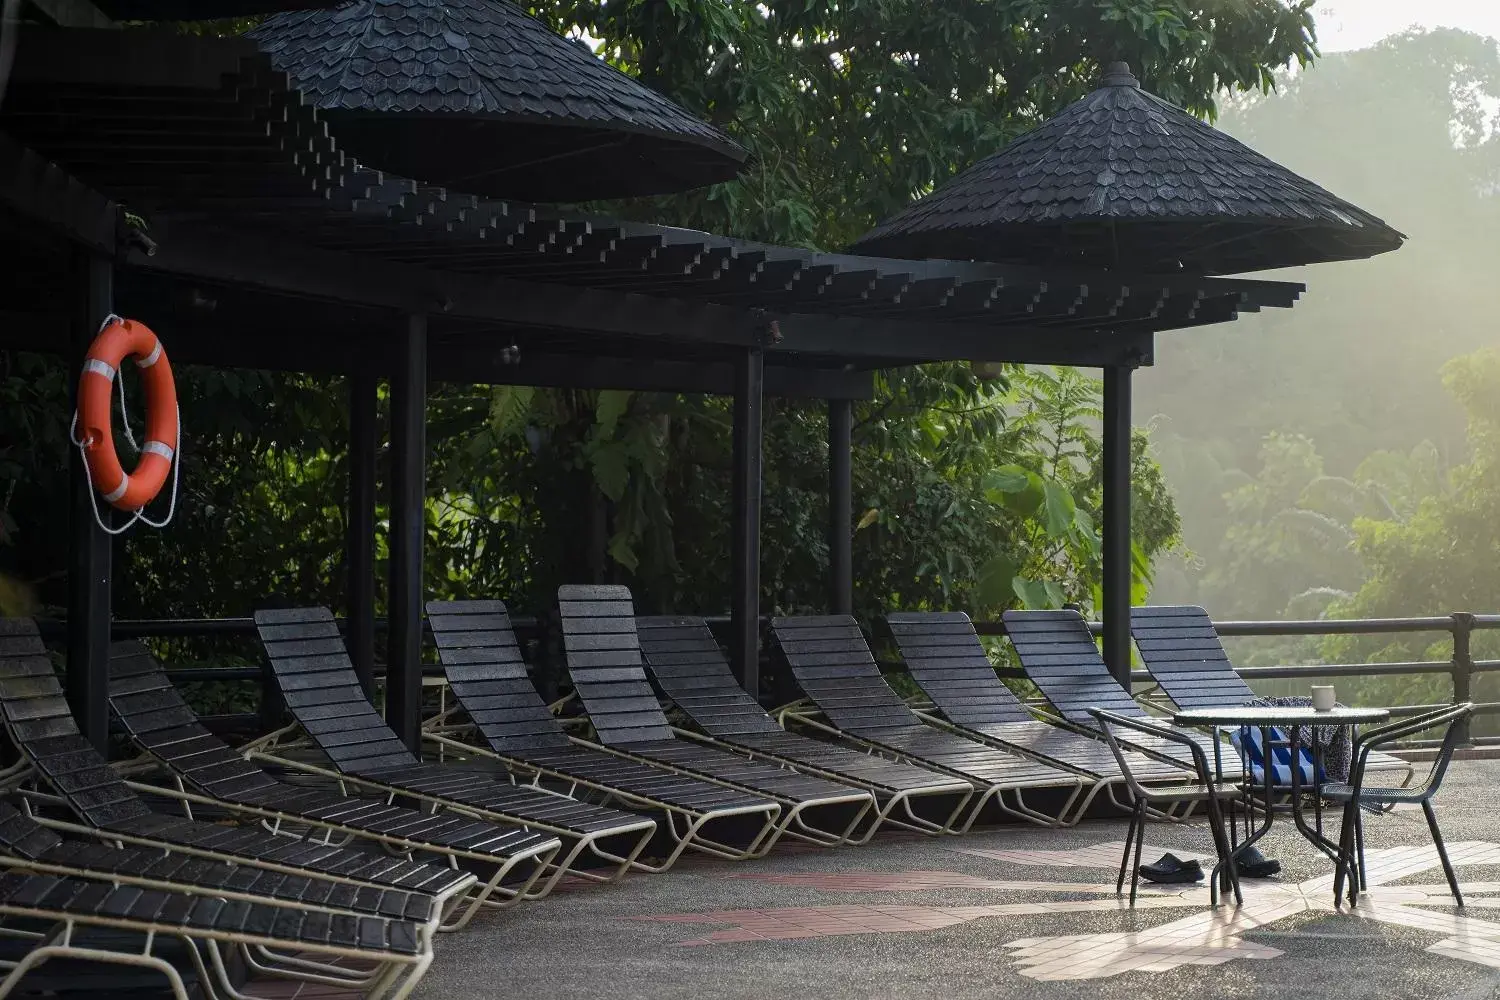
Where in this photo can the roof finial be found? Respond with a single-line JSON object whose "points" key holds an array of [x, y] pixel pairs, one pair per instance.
{"points": [[1117, 74]]}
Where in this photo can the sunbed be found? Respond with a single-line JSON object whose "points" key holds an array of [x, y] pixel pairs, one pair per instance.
{"points": [[1181, 648], [206, 771], [688, 666], [487, 677], [323, 694], [832, 663], [57, 766], [604, 662], [945, 658]]}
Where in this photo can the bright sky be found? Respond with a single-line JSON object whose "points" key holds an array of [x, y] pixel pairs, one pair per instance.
{"points": [[1354, 24]]}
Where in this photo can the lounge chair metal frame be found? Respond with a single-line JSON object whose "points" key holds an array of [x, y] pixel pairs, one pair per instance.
{"points": [[914, 633], [490, 893], [609, 676], [477, 648], [848, 645], [319, 640], [664, 644], [393, 976]]}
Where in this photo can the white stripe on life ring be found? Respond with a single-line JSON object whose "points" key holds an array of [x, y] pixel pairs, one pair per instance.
{"points": [[157, 448], [151, 358], [119, 492], [99, 368]]}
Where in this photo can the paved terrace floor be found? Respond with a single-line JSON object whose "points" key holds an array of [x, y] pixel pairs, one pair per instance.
{"points": [[1007, 912]]}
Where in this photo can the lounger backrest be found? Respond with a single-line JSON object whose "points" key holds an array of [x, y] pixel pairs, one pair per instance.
{"points": [[1060, 657], [1181, 648], [322, 691], [604, 660], [685, 658], [144, 700], [833, 665], [23, 837], [487, 674], [944, 656], [42, 728]]}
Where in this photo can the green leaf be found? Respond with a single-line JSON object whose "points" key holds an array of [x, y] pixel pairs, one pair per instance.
{"points": [[994, 586], [1059, 509], [510, 405], [611, 465], [622, 550], [1028, 501], [1037, 595], [870, 517], [611, 407], [1006, 479]]}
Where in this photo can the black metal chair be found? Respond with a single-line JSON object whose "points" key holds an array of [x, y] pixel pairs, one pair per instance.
{"points": [[1161, 797], [1355, 794]]}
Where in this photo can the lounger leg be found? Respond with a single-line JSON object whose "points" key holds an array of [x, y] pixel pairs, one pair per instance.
{"points": [[1442, 850], [1135, 817], [1135, 869], [485, 896], [62, 948]]}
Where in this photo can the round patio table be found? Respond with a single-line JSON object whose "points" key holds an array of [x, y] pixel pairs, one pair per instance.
{"points": [[1267, 718]]}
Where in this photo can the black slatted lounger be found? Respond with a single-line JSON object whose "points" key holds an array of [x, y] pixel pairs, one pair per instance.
{"points": [[488, 678], [206, 770], [322, 691], [74, 910], [689, 667], [604, 661], [833, 665], [943, 654], [1058, 654], [1181, 649], [63, 767]]}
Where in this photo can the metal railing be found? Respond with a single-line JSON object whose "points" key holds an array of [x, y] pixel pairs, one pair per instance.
{"points": [[539, 636]]}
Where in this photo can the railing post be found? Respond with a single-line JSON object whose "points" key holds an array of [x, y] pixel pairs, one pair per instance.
{"points": [[1463, 666]]}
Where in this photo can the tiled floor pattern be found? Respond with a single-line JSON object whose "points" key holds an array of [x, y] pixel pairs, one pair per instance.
{"points": [[1203, 937]]}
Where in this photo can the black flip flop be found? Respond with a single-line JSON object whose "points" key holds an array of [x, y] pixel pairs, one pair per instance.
{"points": [[1172, 870], [1250, 863]]}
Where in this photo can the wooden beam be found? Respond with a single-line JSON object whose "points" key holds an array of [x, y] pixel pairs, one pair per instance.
{"points": [[41, 192]]}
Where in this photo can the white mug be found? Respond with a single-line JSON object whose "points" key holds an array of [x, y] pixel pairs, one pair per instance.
{"points": [[1322, 697]]}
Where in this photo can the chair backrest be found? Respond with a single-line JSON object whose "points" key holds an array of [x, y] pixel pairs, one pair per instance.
{"points": [[322, 691], [1060, 657], [42, 728], [144, 700], [1181, 648], [944, 656], [488, 677], [23, 837], [688, 665], [833, 665], [604, 661]]}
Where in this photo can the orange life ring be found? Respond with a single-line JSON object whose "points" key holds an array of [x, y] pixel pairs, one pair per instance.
{"points": [[119, 338]]}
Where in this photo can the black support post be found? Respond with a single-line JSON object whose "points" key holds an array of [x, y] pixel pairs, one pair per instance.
{"points": [[89, 547], [359, 544], [840, 507], [403, 683], [744, 605], [1117, 521]]}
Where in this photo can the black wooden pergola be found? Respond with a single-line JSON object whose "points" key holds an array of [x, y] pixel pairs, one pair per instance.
{"points": [[269, 247]]}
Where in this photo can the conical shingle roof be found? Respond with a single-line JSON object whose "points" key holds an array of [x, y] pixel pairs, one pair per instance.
{"points": [[1124, 178], [479, 95]]}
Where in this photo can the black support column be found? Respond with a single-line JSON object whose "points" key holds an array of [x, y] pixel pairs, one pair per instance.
{"points": [[1117, 521], [403, 683], [840, 507], [359, 544], [89, 547], [744, 605]]}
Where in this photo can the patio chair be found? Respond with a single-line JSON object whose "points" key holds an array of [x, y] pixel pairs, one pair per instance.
{"points": [[488, 678], [206, 771], [323, 694], [833, 665], [687, 664], [1181, 648], [1356, 793], [70, 919], [944, 656], [58, 766], [604, 662], [1206, 790], [1057, 652]]}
